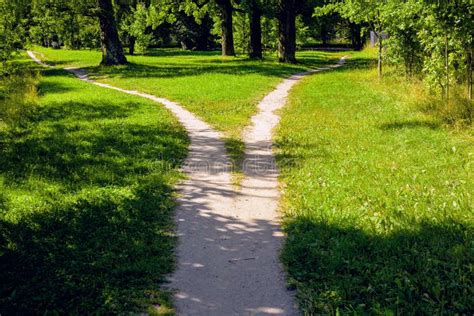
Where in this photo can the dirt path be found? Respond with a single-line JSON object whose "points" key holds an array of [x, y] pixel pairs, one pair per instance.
{"points": [[229, 238]]}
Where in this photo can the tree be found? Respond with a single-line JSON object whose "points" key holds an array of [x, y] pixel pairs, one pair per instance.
{"points": [[369, 12], [193, 35], [136, 25], [447, 38], [226, 10], [255, 16], [357, 39], [12, 31], [256, 9], [287, 31], [124, 16], [112, 51], [199, 9]]}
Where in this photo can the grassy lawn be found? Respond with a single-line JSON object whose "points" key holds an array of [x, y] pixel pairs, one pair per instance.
{"points": [[86, 199], [222, 91], [377, 198]]}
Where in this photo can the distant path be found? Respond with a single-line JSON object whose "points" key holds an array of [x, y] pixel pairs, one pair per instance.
{"points": [[229, 237]]}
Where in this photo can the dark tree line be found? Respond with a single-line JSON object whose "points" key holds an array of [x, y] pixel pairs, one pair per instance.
{"points": [[137, 24]]}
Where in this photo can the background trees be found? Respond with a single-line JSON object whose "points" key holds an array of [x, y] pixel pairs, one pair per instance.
{"points": [[12, 27], [432, 40], [429, 39]]}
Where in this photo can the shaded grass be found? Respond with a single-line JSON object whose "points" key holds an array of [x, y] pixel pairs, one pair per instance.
{"points": [[377, 198], [86, 199], [224, 91]]}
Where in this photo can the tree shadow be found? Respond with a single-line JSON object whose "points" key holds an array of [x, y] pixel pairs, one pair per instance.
{"points": [[291, 153], [341, 268], [95, 157], [53, 87], [73, 110], [180, 52], [97, 253], [205, 66], [62, 63], [174, 70], [222, 251], [410, 124]]}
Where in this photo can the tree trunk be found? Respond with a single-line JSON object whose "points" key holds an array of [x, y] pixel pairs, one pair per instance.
{"points": [[287, 31], [255, 50], [225, 8], [112, 51], [131, 45], [380, 54], [356, 36], [325, 35]]}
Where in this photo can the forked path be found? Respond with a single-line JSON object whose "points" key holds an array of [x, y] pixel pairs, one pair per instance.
{"points": [[229, 238]]}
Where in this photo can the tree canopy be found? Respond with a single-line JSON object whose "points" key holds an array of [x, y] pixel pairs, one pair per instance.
{"points": [[428, 38]]}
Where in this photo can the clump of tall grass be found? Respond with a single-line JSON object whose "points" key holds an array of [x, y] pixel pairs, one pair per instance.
{"points": [[456, 111], [18, 95]]}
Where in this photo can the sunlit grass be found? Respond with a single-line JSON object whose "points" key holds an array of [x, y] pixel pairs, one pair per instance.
{"points": [[377, 198], [224, 91]]}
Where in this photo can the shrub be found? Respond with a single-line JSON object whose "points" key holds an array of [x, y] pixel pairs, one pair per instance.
{"points": [[457, 111]]}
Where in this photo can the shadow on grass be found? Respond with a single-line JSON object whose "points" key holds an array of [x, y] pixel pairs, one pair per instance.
{"points": [[291, 153], [72, 110], [174, 70], [53, 87], [206, 66], [104, 156], [426, 271], [180, 52], [410, 124], [101, 253]]}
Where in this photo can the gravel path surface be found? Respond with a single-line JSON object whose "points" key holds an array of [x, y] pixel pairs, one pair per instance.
{"points": [[229, 238]]}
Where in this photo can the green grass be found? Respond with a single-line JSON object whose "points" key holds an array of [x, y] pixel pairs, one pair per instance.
{"points": [[377, 199], [224, 91], [86, 199]]}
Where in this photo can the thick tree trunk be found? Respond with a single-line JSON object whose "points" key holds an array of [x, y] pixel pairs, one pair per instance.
{"points": [[112, 51], [287, 31], [225, 8], [255, 50]]}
